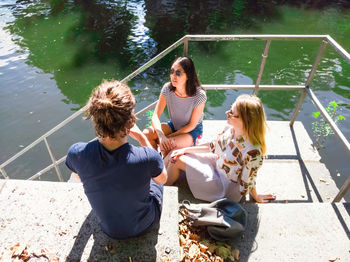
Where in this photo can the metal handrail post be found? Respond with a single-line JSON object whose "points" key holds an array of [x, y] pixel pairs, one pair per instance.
{"points": [[298, 107], [308, 81], [59, 175], [262, 65], [345, 187], [185, 53], [316, 62]]}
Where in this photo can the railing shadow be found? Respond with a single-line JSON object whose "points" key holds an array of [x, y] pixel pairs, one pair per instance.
{"points": [[304, 171], [104, 248], [340, 217]]}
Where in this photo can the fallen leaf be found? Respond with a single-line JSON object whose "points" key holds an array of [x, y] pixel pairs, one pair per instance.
{"points": [[203, 247], [223, 252], [182, 254], [322, 180], [235, 254], [194, 251], [18, 248], [333, 259], [194, 237], [113, 250], [182, 240]]}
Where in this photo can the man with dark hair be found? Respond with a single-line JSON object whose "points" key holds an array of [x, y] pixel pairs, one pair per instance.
{"points": [[123, 183]]}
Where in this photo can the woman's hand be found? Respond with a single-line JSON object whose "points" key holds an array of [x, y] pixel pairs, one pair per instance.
{"points": [[166, 145], [261, 198], [264, 198], [176, 154]]}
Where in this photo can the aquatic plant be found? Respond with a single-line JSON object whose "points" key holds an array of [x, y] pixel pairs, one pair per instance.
{"points": [[149, 116], [320, 126]]}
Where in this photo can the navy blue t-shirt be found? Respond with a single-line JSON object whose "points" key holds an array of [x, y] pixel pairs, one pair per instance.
{"points": [[117, 184]]}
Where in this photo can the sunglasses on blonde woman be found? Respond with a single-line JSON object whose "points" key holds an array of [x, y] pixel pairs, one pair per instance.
{"points": [[178, 73], [230, 114]]}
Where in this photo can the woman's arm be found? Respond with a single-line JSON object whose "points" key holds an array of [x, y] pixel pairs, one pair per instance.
{"points": [[155, 118], [137, 134], [195, 117], [204, 148]]}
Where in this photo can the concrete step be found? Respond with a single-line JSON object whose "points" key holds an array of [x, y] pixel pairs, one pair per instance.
{"points": [[58, 216], [296, 232]]}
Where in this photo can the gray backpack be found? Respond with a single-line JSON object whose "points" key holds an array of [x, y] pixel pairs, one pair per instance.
{"points": [[224, 218]]}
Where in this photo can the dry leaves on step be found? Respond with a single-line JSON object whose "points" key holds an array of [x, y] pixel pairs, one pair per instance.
{"points": [[197, 246], [21, 252]]}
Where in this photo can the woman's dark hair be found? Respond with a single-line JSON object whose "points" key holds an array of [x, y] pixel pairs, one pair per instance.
{"points": [[192, 79], [111, 108]]}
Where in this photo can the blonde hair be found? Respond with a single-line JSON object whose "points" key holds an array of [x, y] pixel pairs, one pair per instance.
{"points": [[111, 108], [251, 111]]}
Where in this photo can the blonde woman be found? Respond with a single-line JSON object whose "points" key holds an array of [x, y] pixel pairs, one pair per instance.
{"points": [[229, 167]]}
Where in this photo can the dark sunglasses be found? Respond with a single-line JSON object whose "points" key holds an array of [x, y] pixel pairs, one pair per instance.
{"points": [[178, 73], [231, 114]]}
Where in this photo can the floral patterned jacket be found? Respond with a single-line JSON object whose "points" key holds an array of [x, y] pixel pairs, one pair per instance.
{"points": [[238, 158]]}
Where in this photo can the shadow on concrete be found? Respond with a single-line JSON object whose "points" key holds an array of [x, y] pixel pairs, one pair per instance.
{"points": [[340, 217], [246, 242], [91, 244], [306, 175]]}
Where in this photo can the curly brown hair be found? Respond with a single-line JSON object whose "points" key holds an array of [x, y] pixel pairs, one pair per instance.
{"points": [[111, 108]]}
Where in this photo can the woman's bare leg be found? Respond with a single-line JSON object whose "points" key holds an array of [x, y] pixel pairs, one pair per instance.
{"points": [[152, 136], [180, 141], [183, 140], [174, 169]]}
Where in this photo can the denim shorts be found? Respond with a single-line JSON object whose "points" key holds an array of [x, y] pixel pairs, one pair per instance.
{"points": [[195, 133]]}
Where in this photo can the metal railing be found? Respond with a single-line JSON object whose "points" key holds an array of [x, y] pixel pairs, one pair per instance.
{"points": [[304, 89]]}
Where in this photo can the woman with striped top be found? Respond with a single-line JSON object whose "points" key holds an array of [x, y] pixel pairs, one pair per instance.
{"points": [[185, 100]]}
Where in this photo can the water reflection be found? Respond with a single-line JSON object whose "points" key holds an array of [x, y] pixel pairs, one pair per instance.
{"points": [[77, 43], [81, 42]]}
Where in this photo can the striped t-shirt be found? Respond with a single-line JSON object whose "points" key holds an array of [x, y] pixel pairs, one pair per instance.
{"points": [[180, 108]]}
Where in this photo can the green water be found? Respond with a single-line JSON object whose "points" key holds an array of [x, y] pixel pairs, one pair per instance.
{"points": [[53, 53]]}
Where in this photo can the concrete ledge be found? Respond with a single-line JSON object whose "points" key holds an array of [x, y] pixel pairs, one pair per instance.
{"points": [[310, 232], [58, 216], [296, 181]]}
